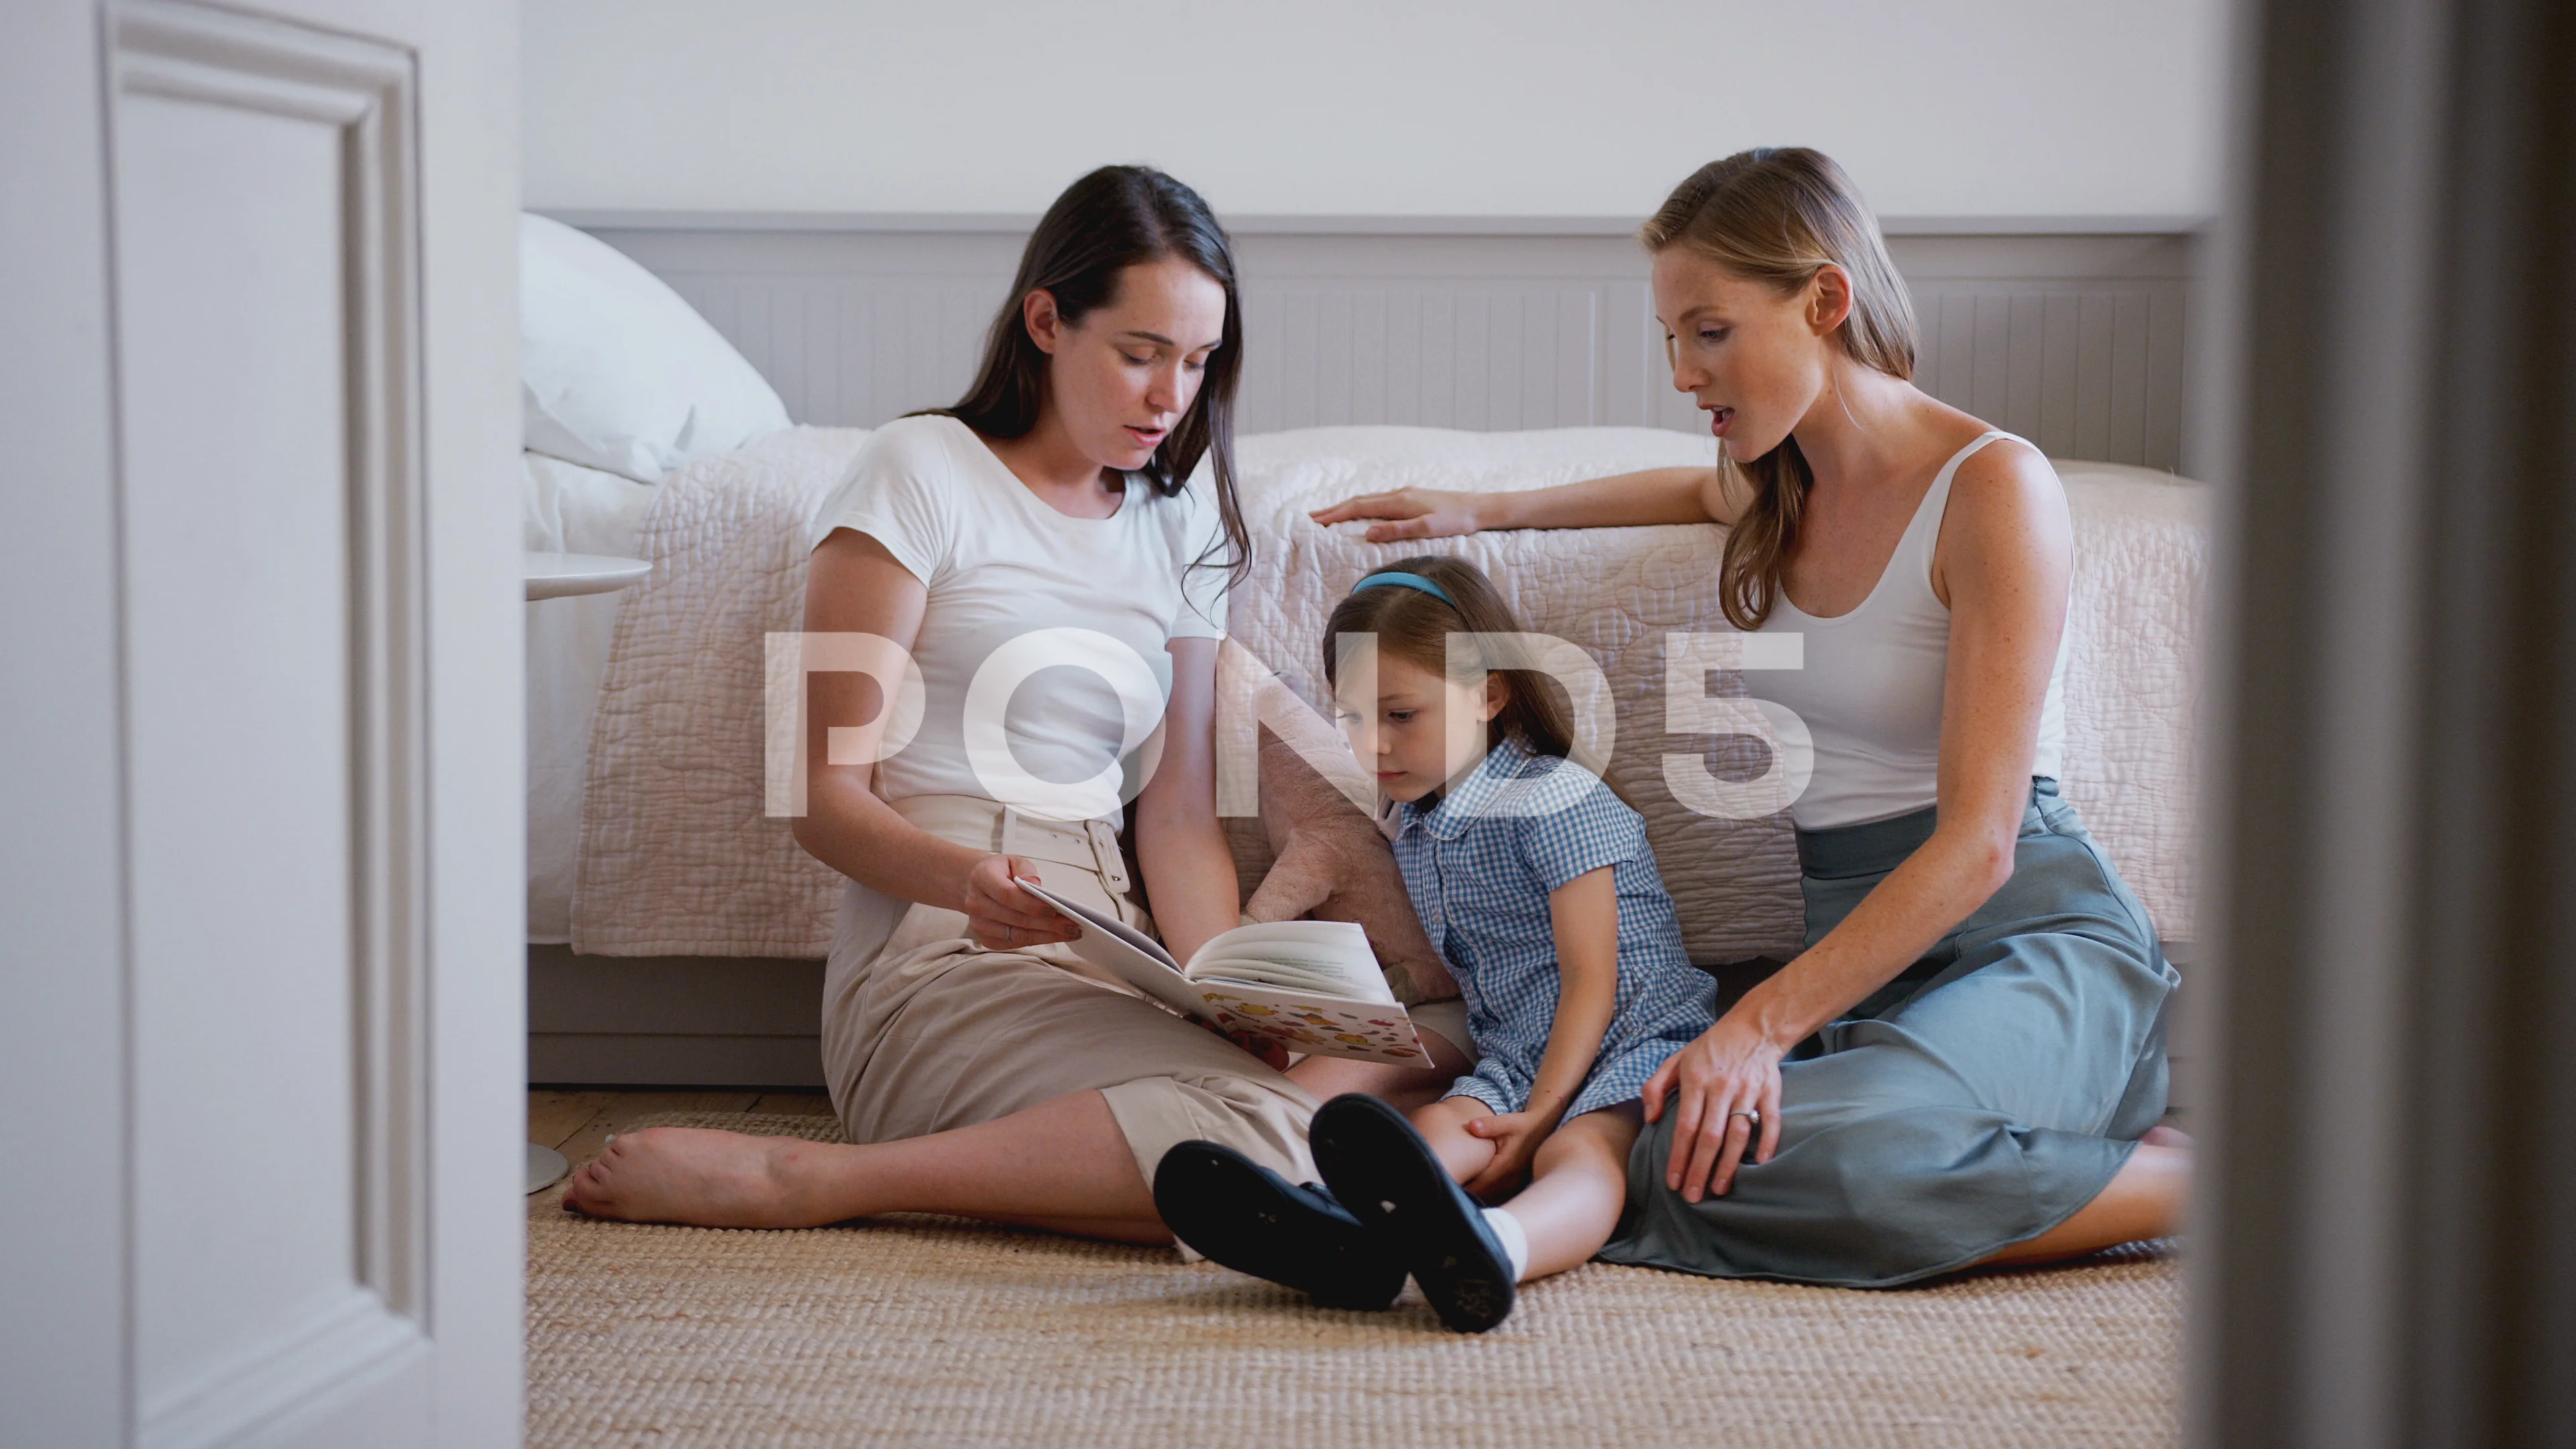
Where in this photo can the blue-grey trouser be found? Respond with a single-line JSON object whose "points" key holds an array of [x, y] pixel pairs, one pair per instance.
{"points": [[1974, 1102]]}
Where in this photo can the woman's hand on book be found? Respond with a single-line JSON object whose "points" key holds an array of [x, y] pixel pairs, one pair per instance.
{"points": [[1001, 916], [1516, 1137], [1407, 513]]}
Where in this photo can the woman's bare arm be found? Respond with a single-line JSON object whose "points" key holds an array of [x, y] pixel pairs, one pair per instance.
{"points": [[1189, 872], [1656, 495], [1584, 914], [855, 586]]}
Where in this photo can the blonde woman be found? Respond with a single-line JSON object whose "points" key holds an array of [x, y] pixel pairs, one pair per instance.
{"points": [[1966, 1064]]}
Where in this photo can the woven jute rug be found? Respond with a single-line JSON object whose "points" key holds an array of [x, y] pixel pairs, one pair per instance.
{"points": [[923, 1331]]}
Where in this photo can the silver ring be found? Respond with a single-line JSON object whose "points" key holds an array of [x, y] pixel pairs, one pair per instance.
{"points": [[1010, 933], [1741, 1112]]}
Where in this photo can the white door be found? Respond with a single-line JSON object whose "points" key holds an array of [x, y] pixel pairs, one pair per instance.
{"points": [[260, 838]]}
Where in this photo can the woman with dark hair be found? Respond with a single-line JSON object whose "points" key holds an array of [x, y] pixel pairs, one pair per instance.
{"points": [[1967, 1062], [1034, 582]]}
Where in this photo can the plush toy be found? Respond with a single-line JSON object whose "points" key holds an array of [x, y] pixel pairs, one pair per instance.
{"points": [[1333, 861]]}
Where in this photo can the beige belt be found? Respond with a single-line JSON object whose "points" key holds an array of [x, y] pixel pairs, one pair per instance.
{"points": [[981, 824]]}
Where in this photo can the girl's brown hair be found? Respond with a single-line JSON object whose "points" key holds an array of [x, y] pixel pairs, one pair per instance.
{"points": [[1781, 214], [1415, 627]]}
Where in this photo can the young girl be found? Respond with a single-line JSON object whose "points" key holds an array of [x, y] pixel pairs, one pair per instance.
{"points": [[1536, 883]]}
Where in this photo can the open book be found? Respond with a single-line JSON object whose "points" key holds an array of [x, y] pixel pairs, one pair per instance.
{"points": [[1311, 986]]}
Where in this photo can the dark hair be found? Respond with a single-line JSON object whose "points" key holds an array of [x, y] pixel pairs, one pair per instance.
{"points": [[1781, 214], [1115, 218], [1415, 627]]}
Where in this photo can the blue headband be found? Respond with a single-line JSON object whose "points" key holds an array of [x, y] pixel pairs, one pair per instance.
{"points": [[1406, 581]]}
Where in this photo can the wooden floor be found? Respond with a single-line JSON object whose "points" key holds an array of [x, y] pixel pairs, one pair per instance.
{"points": [[577, 1124]]}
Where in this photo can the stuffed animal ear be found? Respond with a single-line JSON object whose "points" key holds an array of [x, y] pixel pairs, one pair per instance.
{"points": [[1298, 881]]}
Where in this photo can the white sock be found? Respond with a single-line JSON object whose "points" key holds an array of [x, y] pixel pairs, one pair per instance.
{"points": [[1515, 1240]]}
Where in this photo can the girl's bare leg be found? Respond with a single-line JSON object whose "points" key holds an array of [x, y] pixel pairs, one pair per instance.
{"points": [[1408, 1089], [1062, 1164], [2144, 1199], [1443, 1124], [1578, 1184], [1578, 1187]]}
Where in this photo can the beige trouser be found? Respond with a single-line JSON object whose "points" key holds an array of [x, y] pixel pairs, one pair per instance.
{"points": [[933, 1032]]}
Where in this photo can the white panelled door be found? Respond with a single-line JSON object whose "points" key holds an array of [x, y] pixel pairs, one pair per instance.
{"points": [[260, 1021]]}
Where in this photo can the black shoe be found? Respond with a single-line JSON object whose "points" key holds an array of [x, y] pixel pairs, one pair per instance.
{"points": [[1254, 1221], [1390, 1180]]}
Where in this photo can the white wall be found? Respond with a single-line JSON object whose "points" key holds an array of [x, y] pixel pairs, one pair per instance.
{"points": [[2020, 108]]}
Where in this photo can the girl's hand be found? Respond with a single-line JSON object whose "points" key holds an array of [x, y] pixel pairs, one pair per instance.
{"points": [[1413, 513], [1721, 1084], [1516, 1137], [1001, 916]]}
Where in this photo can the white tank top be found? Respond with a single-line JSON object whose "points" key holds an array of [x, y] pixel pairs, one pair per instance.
{"points": [[1869, 687]]}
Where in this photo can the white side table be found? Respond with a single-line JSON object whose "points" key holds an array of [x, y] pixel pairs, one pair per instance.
{"points": [[563, 576]]}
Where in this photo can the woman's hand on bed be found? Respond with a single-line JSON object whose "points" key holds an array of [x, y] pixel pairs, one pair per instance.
{"points": [[1408, 513], [1003, 917], [1730, 1071]]}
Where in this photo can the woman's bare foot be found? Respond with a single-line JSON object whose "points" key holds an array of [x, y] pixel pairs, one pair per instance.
{"points": [[694, 1175]]}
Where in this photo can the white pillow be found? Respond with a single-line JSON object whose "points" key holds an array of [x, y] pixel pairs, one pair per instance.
{"points": [[567, 508], [616, 372]]}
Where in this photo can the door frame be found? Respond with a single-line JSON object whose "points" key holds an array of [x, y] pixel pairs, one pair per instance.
{"points": [[440, 1105]]}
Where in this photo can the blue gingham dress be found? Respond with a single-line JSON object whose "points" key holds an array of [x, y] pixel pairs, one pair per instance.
{"points": [[1480, 865]]}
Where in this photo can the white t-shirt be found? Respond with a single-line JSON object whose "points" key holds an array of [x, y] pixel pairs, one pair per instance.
{"points": [[1066, 619]]}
